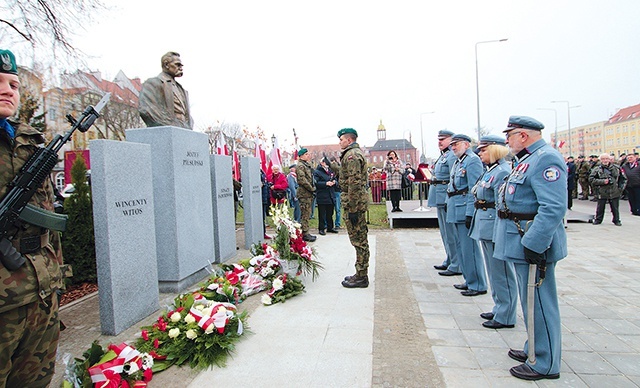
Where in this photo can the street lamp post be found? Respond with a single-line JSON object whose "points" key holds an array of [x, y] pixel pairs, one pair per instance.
{"points": [[555, 135], [421, 134], [568, 121], [477, 83]]}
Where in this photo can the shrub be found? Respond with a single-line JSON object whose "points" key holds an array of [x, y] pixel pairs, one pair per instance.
{"points": [[78, 241]]}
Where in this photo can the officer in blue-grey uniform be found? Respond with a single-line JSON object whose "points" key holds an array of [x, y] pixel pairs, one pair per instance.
{"points": [[438, 198], [529, 230], [465, 173], [502, 274]]}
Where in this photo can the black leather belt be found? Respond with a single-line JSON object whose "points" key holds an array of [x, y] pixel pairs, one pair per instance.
{"points": [[484, 205], [515, 216], [457, 192], [439, 182]]}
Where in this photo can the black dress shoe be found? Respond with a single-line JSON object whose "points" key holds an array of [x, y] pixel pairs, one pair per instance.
{"points": [[496, 325], [597, 222], [449, 273], [462, 286], [473, 292], [322, 232], [518, 355], [356, 282], [398, 209], [332, 231], [309, 237], [617, 223], [488, 316], [440, 267], [524, 372]]}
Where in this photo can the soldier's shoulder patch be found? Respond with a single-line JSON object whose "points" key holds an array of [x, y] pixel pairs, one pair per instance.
{"points": [[551, 174]]}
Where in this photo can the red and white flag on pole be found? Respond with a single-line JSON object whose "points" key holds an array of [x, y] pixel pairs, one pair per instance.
{"points": [[561, 143], [236, 165], [260, 153], [274, 157], [221, 145]]}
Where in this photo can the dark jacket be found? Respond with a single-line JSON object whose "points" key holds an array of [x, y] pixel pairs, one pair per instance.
{"points": [[325, 195], [608, 180], [571, 176]]}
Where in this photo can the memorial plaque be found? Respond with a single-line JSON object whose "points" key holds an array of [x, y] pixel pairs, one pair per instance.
{"points": [[183, 208], [224, 223], [252, 201], [124, 224]]}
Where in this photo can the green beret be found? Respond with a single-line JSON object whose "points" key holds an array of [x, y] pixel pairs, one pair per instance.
{"points": [[8, 62], [347, 130], [302, 151]]}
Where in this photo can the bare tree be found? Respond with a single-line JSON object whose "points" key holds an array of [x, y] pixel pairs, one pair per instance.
{"points": [[46, 25]]}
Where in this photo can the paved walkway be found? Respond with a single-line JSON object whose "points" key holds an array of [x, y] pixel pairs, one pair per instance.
{"points": [[412, 328]]}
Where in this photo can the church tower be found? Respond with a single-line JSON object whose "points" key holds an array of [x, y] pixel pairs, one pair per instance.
{"points": [[382, 132]]}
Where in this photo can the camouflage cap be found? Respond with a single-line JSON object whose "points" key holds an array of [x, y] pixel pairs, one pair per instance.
{"points": [[302, 151], [347, 130], [8, 62]]}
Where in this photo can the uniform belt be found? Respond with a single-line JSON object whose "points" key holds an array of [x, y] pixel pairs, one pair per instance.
{"points": [[457, 192], [484, 205], [515, 216], [30, 244], [439, 182]]}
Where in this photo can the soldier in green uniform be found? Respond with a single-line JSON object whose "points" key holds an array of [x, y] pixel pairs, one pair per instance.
{"points": [[584, 168], [352, 178], [29, 324], [306, 191]]}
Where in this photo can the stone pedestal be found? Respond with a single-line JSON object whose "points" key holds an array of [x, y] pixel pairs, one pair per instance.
{"points": [[252, 201], [183, 209], [224, 223], [124, 224]]}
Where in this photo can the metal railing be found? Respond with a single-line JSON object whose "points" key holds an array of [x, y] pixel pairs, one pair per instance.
{"points": [[379, 192]]}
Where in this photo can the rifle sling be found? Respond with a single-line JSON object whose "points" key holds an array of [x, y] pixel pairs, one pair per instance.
{"points": [[43, 218]]}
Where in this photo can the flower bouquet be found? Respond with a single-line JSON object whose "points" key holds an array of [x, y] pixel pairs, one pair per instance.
{"points": [[199, 331], [120, 366], [283, 287], [290, 245]]}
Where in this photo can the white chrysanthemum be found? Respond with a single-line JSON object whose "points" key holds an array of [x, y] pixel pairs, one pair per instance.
{"points": [[266, 299], [266, 271], [277, 284], [147, 361]]}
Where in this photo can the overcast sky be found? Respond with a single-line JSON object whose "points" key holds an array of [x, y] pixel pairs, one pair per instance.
{"points": [[318, 67]]}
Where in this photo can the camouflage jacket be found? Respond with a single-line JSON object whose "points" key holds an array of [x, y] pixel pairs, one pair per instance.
{"points": [[353, 179], [584, 170], [306, 188], [40, 276]]}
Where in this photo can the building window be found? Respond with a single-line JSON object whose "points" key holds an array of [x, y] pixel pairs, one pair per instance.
{"points": [[60, 181], [52, 114]]}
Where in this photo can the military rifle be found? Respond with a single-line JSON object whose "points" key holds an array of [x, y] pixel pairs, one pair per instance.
{"points": [[14, 209]]}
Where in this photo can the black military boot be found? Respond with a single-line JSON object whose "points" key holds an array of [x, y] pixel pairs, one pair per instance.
{"points": [[309, 237], [356, 282]]}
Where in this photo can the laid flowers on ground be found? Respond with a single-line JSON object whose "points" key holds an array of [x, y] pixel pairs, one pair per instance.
{"points": [[120, 366], [200, 332], [282, 288]]}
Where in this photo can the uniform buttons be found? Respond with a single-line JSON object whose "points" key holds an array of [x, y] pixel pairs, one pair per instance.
{"points": [[42, 293]]}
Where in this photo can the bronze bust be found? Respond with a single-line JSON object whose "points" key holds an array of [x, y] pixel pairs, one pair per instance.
{"points": [[163, 101]]}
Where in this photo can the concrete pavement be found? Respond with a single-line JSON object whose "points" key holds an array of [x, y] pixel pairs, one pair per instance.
{"points": [[412, 328]]}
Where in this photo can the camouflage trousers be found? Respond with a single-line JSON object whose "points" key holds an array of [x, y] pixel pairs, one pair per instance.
{"points": [[28, 343], [305, 213], [358, 237], [584, 185]]}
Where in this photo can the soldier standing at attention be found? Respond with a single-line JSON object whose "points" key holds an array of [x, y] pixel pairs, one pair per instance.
{"points": [[582, 173], [306, 190], [465, 173], [529, 230], [352, 177], [438, 199], [29, 281]]}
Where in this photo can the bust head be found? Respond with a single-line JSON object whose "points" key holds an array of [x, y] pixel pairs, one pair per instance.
{"points": [[171, 64]]}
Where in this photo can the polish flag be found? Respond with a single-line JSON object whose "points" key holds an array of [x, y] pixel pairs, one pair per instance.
{"points": [[221, 145], [260, 153], [236, 165], [561, 143], [274, 158]]}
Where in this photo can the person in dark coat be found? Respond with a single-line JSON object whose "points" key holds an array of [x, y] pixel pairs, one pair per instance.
{"points": [[571, 181], [325, 196]]}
